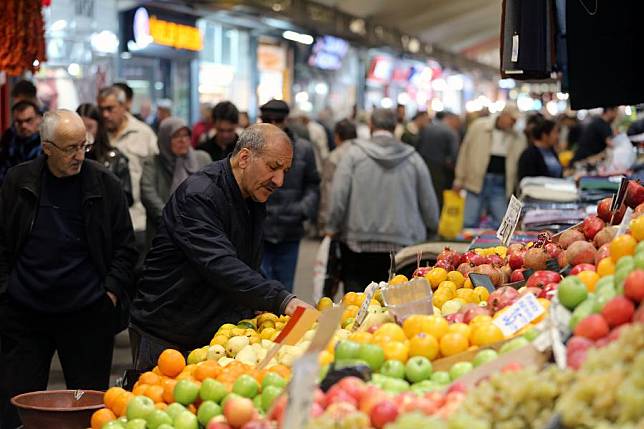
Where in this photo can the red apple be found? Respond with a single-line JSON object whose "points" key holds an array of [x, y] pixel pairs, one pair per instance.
{"points": [[543, 277], [516, 260], [634, 286], [218, 425], [582, 267], [337, 394], [576, 359], [578, 343], [553, 250], [354, 386], [383, 412], [549, 291], [592, 327], [239, 411], [591, 226], [277, 409], [372, 396], [517, 275], [618, 311], [634, 194], [603, 211]]}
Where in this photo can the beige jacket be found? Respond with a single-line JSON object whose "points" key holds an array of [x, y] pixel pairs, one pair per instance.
{"points": [[474, 156]]}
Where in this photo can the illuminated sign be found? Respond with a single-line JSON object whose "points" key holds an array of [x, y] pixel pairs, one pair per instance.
{"points": [[150, 29]]}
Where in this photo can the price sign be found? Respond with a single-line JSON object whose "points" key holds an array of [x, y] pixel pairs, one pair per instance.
{"points": [[626, 220], [522, 312], [482, 280], [364, 308], [510, 221]]}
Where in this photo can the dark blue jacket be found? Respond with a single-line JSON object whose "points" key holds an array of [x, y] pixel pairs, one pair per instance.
{"points": [[15, 150], [203, 268]]}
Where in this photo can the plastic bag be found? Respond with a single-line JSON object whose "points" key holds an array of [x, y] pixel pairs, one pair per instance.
{"points": [[319, 268], [451, 221]]}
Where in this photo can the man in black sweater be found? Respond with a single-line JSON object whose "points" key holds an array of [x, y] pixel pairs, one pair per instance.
{"points": [[67, 257]]}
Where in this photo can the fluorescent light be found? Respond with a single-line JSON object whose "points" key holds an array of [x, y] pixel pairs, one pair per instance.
{"points": [[305, 39], [59, 25], [74, 69]]}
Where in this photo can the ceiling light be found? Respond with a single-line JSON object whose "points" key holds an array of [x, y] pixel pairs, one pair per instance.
{"points": [[305, 39]]}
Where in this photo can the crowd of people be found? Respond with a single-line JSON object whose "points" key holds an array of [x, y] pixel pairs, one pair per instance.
{"points": [[109, 222]]}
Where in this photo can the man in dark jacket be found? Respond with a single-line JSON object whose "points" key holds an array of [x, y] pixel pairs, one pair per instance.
{"points": [[66, 263], [21, 142], [295, 203], [202, 270], [221, 139]]}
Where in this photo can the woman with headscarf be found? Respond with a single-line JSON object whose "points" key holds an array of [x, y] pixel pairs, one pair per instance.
{"points": [[163, 173]]}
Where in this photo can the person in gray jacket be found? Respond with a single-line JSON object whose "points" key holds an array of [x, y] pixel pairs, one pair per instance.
{"points": [[163, 173], [382, 200]]}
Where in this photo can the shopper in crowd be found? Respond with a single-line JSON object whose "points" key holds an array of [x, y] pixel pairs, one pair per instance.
{"points": [[163, 173], [532, 119], [438, 146], [24, 90], [316, 135], [203, 125], [596, 134], [67, 261], [102, 151], [20, 142], [203, 269], [569, 131], [129, 96], [135, 140], [540, 157], [401, 120], [221, 139], [344, 132], [244, 121], [382, 199], [414, 128], [164, 110], [291, 205], [487, 165]]}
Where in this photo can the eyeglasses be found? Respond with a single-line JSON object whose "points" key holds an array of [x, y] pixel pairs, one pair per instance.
{"points": [[71, 150]]}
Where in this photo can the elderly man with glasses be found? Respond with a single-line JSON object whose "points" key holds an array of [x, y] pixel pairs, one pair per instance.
{"points": [[67, 258]]}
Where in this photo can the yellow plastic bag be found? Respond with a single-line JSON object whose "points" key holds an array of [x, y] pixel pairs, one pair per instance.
{"points": [[451, 221]]}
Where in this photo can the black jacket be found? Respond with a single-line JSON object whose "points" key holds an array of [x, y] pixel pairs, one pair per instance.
{"points": [[297, 200], [118, 164], [215, 151], [532, 164], [110, 236], [202, 270]]}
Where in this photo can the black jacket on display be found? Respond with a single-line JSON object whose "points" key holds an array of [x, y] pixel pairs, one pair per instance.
{"points": [[203, 268], [297, 200], [108, 228]]}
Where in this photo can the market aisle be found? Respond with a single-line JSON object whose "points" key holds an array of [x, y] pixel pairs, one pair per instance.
{"points": [[122, 358]]}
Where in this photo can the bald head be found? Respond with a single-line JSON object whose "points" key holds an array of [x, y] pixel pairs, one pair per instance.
{"points": [[62, 123], [64, 139], [257, 136]]}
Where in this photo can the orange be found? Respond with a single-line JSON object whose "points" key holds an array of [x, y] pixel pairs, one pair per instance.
{"points": [[485, 334], [101, 417], [423, 345], [637, 228], [436, 326], [449, 285], [398, 280], [168, 390], [207, 369], [436, 276], [453, 343], [415, 324], [622, 245], [606, 267], [389, 330], [457, 278], [350, 298], [120, 404], [282, 370], [324, 303], [481, 293], [350, 311], [149, 378], [110, 396], [589, 278], [396, 350], [460, 328], [139, 389], [361, 337], [161, 406], [154, 392], [441, 296], [483, 318], [171, 362], [467, 295]]}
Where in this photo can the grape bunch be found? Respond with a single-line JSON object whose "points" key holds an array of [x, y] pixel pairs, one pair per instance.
{"points": [[418, 420], [608, 391]]}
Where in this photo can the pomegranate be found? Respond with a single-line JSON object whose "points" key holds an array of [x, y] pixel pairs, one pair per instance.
{"points": [[474, 311], [553, 250], [496, 260], [562, 260], [591, 226], [465, 268], [444, 264], [604, 236], [452, 257], [506, 272], [570, 236], [476, 259], [516, 260], [536, 258], [543, 277], [582, 267], [502, 297], [467, 256], [421, 271], [603, 252], [581, 252], [634, 194], [517, 275], [493, 273]]}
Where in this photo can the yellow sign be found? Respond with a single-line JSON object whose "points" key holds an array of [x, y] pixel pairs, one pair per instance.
{"points": [[175, 35]]}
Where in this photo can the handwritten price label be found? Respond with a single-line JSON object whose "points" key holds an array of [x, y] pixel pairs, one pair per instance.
{"points": [[522, 312], [364, 307], [510, 221]]}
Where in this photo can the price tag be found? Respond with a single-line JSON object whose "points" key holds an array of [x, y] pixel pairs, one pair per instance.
{"points": [[510, 221], [626, 221], [364, 308], [558, 328], [482, 280], [515, 48], [522, 312]]}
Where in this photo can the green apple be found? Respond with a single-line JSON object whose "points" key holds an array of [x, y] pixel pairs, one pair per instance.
{"points": [[186, 392], [123, 420], [346, 349], [269, 395], [344, 363], [514, 344], [395, 385], [531, 334], [441, 377], [582, 311], [620, 276], [484, 356], [212, 390], [638, 259], [373, 354], [175, 409], [114, 424], [139, 424], [257, 403], [459, 369], [164, 426], [393, 368], [378, 379], [273, 379], [571, 292], [186, 420], [606, 282], [418, 368], [246, 386], [158, 417], [625, 262], [139, 407], [207, 410], [426, 386]]}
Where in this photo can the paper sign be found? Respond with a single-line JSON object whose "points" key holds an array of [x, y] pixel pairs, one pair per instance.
{"points": [[482, 280], [558, 329], [515, 48], [364, 307], [305, 370], [522, 312], [626, 221], [510, 221]]}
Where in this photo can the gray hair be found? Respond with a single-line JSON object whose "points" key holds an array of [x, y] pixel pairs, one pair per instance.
{"points": [[254, 138], [117, 92], [383, 119], [50, 123]]}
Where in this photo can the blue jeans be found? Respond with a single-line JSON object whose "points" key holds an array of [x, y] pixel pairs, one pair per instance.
{"points": [[280, 260], [491, 199]]}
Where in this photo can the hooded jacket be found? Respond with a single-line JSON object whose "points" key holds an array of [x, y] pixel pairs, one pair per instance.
{"points": [[158, 173], [382, 192]]}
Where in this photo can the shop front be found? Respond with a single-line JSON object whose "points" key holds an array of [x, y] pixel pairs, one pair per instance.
{"points": [[159, 59]]}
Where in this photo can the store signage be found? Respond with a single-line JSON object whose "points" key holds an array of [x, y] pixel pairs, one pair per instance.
{"points": [[150, 29]]}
